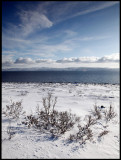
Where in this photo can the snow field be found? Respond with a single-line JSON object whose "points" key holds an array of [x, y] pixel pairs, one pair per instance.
{"points": [[80, 99]]}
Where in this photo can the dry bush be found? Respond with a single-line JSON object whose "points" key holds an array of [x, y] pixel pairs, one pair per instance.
{"points": [[14, 110], [103, 133], [64, 122], [84, 134], [72, 137], [55, 122], [90, 120], [96, 112], [49, 104], [109, 114], [10, 132], [31, 121]]}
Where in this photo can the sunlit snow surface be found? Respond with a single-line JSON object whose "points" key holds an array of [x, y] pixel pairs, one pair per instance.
{"points": [[80, 99]]}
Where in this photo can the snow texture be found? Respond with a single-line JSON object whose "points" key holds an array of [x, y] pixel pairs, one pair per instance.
{"points": [[80, 99]]}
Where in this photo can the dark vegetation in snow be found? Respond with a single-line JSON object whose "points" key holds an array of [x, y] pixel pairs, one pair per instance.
{"points": [[48, 119]]}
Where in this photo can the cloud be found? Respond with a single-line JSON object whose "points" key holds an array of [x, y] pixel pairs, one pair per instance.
{"points": [[8, 52], [32, 21], [45, 61], [61, 11], [105, 61], [78, 60], [11, 43], [7, 58], [21, 39], [92, 7], [24, 60], [7, 64], [109, 58], [46, 14], [42, 46]]}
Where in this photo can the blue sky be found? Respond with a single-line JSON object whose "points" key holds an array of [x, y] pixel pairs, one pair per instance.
{"points": [[61, 34]]}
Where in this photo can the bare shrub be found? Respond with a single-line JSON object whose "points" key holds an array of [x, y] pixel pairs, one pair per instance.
{"points": [[90, 120], [72, 137], [109, 114], [10, 131], [103, 133], [84, 134], [55, 122], [14, 110], [49, 111], [32, 121], [65, 121], [96, 112]]}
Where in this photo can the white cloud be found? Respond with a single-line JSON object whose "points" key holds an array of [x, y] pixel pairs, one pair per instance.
{"points": [[61, 11], [109, 58], [7, 58], [24, 60], [104, 59], [7, 64], [32, 21], [96, 7], [45, 61], [109, 61], [12, 43], [8, 52], [38, 17], [35, 46], [69, 33]]}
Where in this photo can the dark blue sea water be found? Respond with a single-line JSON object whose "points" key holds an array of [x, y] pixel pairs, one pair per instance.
{"points": [[101, 76]]}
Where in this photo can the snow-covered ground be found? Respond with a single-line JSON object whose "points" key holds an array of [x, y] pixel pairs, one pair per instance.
{"points": [[80, 99]]}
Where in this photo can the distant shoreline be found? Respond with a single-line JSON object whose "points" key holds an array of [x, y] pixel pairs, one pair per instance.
{"points": [[44, 69]]}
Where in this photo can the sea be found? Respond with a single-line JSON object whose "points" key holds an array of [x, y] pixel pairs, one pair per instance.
{"points": [[91, 76]]}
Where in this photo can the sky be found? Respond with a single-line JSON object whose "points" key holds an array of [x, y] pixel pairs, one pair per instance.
{"points": [[60, 34]]}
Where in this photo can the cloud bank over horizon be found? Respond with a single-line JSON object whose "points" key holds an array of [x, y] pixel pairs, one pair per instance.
{"points": [[108, 61]]}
